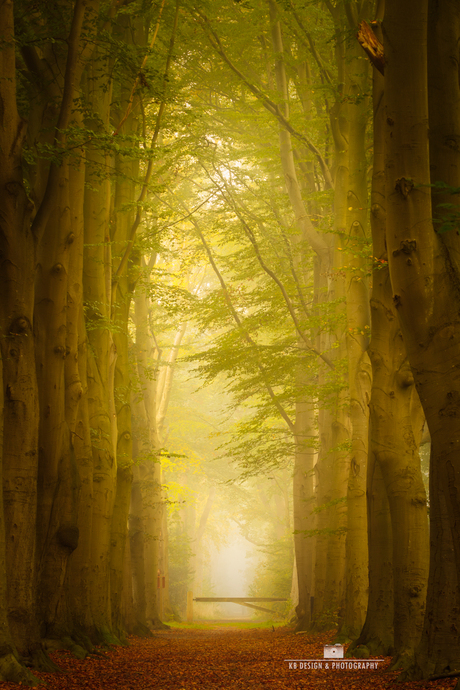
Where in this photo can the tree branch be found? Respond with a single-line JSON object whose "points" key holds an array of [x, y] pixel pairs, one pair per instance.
{"points": [[268, 104], [60, 135], [243, 331], [245, 533], [250, 235], [324, 72], [165, 382], [281, 225]]}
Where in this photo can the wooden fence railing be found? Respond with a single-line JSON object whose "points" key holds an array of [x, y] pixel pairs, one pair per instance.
{"points": [[242, 601]]}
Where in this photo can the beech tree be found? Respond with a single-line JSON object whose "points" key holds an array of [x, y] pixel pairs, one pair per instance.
{"points": [[68, 391], [423, 274], [234, 140], [393, 451]]}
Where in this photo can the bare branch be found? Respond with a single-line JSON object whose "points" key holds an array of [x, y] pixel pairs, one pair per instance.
{"points": [[268, 104], [323, 70], [242, 329], [250, 235], [72, 70]]}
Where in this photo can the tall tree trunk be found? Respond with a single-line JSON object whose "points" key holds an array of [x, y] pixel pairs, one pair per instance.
{"points": [[331, 483], [377, 633], [58, 481], [168, 613], [10, 669], [76, 596], [58, 223], [150, 469], [101, 354], [304, 520], [20, 414], [357, 335], [78, 591], [330, 547], [396, 426], [123, 288], [129, 619], [122, 381], [137, 554], [425, 280], [100, 366], [424, 272]]}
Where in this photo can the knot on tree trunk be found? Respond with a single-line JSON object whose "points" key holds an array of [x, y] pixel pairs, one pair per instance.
{"points": [[68, 536], [404, 187], [452, 408], [406, 247], [20, 325], [371, 45]]}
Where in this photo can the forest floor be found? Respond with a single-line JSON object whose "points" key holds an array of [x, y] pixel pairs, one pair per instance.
{"points": [[219, 655]]}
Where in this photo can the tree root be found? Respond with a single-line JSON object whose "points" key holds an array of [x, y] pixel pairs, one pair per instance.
{"points": [[106, 638], [302, 624], [82, 640], [358, 652], [42, 662], [452, 674], [95, 654], [141, 630], [374, 646], [11, 670], [66, 643], [160, 626]]}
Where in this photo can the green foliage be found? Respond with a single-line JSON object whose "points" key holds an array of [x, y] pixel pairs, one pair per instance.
{"points": [[330, 504], [327, 620], [447, 216], [324, 532]]}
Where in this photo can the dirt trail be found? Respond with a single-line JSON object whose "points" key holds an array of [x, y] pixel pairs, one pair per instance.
{"points": [[217, 657]]}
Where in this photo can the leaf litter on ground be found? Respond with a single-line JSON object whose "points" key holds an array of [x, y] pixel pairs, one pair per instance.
{"points": [[217, 657]]}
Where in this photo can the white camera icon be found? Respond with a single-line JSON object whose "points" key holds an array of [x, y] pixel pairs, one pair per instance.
{"points": [[333, 651]]}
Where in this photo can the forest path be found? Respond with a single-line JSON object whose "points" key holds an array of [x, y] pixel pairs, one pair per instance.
{"points": [[217, 656]]}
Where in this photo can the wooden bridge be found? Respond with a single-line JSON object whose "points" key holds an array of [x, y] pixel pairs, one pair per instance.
{"points": [[242, 601]]}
